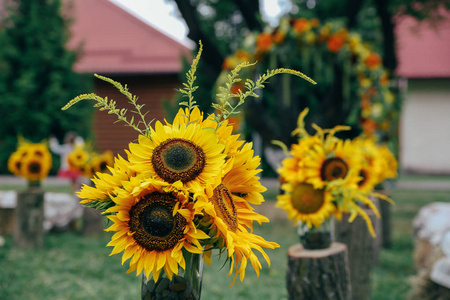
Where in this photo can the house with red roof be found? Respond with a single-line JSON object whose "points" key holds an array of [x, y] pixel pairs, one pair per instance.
{"points": [[116, 44], [423, 52], [119, 45]]}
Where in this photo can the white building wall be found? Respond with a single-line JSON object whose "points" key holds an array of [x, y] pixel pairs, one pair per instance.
{"points": [[425, 127]]}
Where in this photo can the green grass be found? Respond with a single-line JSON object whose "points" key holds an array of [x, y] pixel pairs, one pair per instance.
{"points": [[72, 266]]}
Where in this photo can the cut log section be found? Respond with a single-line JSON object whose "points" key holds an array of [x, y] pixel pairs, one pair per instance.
{"points": [[28, 229], [318, 274]]}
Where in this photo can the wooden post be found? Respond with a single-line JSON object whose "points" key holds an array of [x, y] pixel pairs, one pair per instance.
{"points": [[360, 252], [318, 274], [29, 219]]}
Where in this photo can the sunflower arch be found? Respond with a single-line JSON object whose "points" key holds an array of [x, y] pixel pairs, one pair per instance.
{"points": [[353, 86]]}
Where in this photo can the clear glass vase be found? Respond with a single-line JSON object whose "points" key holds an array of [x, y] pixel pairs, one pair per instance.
{"points": [[316, 237], [187, 284]]}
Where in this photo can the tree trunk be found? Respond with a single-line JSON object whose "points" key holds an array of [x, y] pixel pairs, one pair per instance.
{"points": [[318, 274], [360, 252], [29, 219]]}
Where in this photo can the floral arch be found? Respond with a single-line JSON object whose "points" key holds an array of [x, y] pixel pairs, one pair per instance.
{"points": [[353, 86]]}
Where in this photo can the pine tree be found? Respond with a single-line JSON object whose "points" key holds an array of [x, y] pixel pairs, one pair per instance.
{"points": [[37, 77]]}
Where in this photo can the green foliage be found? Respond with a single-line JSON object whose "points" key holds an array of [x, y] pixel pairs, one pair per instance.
{"points": [[225, 107], [189, 87], [36, 76], [110, 106]]}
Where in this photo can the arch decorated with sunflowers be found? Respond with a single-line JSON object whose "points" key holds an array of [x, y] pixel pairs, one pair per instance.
{"points": [[353, 87]]}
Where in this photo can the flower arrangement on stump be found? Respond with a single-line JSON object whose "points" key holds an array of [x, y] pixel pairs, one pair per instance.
{"points": [[324, 177], [31, 161], [185, 190], [88, 162]]}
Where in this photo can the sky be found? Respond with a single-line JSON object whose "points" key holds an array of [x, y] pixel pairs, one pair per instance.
{"points": [[162, 14]]}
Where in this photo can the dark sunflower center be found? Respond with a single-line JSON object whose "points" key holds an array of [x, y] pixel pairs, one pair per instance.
{"points": [[223, 203], [152, 221], [158, 221], [18, 165], [178, 159], [34, 168], [306, 199], [333, 168], [363, 174], [103, 166]]}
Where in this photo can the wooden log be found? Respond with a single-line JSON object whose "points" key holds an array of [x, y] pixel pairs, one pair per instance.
{"points": [[92, 222], [385, 212], [28, 229], [360, 246], [6, 221], [318, 274], [378, 227]]}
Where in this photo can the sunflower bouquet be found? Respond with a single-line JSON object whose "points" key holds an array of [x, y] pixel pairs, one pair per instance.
{"points": [[87, 162], [324, 177], [185, 190], [31, 161]]}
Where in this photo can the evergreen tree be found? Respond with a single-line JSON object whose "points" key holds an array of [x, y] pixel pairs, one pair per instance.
{"points": [[37, 77]]}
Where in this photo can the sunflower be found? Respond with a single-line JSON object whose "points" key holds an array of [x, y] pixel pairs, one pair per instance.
{"points": [[223, 132], [77, 159], [372, 160], [187, 153], [39, 150], [14, 163], [229, 215], [293, 167], [334, 159], [368, 180], [389, 161], [153, 226], [305, 203], [103, 161], [106, 185], [34, 168]]}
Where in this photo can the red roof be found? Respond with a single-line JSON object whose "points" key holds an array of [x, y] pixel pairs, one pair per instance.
{"points": [[423, 51], [114, 41]]}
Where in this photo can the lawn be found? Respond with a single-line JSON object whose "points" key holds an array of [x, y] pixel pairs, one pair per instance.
{"points": [[72, 266]]}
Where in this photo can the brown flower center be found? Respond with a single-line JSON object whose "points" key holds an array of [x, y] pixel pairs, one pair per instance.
{"points": [[178, 159], [333, 168], [34, 167], [153, 223], [363, 174], [103, 166], [223, 203], [306, 199]]}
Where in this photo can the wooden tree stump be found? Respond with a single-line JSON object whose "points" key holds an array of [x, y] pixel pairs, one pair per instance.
{"points": [[385, 212], [318, 274], [29, 219], [92, 222], [378, 227], [360, 252]]}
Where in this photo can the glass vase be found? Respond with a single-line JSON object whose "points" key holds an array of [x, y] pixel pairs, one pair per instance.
{"points": [[316, 237], [187, 284]]}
